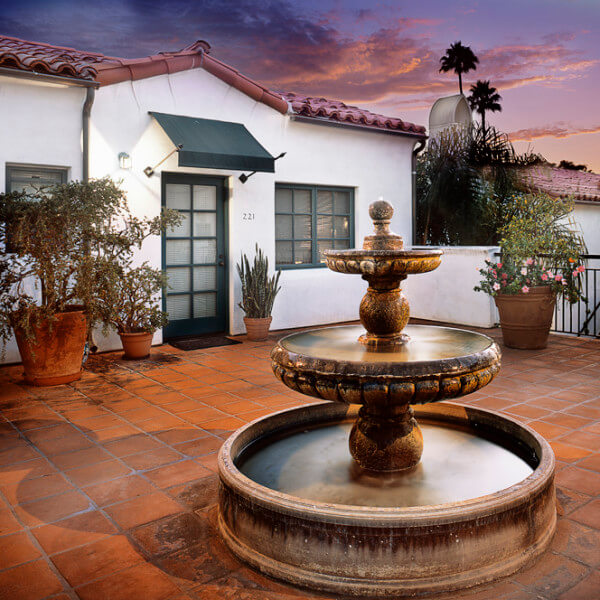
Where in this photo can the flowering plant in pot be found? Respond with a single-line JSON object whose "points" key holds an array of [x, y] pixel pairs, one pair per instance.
{"points": [[55, 244], [540, 260], [258, 294], [127, 300]]}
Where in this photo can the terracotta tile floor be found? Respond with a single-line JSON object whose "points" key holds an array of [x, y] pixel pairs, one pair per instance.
{"points": [[108, 486]]}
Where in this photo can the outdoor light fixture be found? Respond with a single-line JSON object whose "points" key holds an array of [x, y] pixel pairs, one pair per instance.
{"points": [[243, 177], [150, 170], [124, 160]]}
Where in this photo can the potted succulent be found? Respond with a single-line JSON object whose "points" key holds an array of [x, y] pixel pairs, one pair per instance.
{"points": [[540, 260], [56, 243], [128, 302], [258, 294]]}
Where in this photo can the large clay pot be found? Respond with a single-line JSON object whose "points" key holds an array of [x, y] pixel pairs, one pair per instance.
{"points": [[257, 329], [526, 318], [136, 345], [56, 354]]}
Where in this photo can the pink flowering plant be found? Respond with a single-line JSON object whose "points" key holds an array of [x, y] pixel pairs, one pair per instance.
{"points": [[540, 247]]}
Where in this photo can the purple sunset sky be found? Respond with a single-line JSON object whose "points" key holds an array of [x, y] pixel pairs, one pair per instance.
{"points": [[542, 55]]}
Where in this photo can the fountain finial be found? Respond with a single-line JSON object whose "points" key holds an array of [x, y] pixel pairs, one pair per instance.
{"points": [[381, 213]]}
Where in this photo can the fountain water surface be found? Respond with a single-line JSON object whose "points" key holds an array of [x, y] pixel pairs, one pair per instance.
{"points": [[376, 520]]}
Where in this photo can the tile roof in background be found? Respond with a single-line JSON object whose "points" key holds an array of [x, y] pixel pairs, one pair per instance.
{"points": [[334, 110], [579, 185], [34, 57]]}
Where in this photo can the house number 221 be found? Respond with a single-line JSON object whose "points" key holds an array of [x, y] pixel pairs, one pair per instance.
{"points": [[248, 216]]}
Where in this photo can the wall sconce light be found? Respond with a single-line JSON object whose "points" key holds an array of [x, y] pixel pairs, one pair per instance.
{"points": [[243, 177], [124, 160]]}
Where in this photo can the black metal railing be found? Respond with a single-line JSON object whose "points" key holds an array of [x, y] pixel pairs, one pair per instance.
{"points": [[583, 317]]}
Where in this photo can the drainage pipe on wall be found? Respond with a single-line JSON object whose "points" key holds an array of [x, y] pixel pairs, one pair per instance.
{"points": [[90, 94], [418, 147]]}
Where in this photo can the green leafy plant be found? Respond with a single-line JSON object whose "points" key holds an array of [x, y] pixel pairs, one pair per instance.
{"points": [[127, 298], [57, 244], [539, 247], [258, 289]]}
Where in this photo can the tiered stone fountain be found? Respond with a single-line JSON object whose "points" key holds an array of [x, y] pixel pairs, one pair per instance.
{"points": [[379, 520]]}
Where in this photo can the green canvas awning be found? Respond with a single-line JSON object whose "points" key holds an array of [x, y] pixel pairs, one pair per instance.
{"points": [[215, 144]]}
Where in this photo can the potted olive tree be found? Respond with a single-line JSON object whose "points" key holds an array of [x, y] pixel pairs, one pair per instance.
{"points": [[258, 294], [55, 245], [540, 260], [128, 301]]}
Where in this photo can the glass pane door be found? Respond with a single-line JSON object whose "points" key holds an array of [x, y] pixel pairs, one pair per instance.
{"points": [[194, 256]]}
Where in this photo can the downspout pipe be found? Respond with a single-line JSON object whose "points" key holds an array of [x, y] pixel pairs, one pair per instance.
{"points": [[90, 95], [418, 148]]}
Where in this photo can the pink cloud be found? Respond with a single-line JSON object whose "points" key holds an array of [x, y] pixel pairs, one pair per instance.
{"points": [[557, 130]]}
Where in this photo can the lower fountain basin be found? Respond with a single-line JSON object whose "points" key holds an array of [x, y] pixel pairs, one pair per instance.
{"points": [[479, 506]]}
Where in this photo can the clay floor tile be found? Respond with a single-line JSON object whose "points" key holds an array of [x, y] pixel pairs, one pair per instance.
{"points": [[593, 427], [76, 531], [119, 490], [31, 489], [263, 412], [240, 406], [177, 473], [30, 581], [152, 458], [139, 415], [528, 411], [16, 549], [48, 510], [209, 461], [197, 495], [139, 442], [72, 443], [180, 435], [551, 574], [183, 406], [8, 523], [591, 462], [549, 431], [81, 458], [182, 385], [568, 453], [98, 559], [571, 396], [165, 397], [23, 451], [103, 471], [577, 541], [580, 480], [207, 413], [583, 439], [567, 420], [38, 467], [200, 447], [54, 432], [149, 583], [588, 514], [200, 392], [142, 509], [585, 410], [222, 427], [550, 403], [115, 433], [162, 424], [215, 377], [587, 589], [102, 422], [219, 400], [172, 534]]}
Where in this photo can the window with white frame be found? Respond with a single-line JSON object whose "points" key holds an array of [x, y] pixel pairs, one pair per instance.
{"points": [[310, 219], [29, 178]]}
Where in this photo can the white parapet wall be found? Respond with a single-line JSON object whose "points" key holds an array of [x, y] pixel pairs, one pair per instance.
{"points": [[446, 294]]}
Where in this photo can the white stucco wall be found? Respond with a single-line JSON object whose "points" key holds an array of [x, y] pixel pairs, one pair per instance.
{"points": [[446, 294], [587, 217], [374, 164], [40, 124]]}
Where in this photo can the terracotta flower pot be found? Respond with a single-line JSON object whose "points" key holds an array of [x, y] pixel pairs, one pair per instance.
{"points": [[136, 345], [56, 355], [257, 329], [525, 319]]}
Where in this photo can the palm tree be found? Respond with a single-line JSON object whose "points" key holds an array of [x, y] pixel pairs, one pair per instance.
{"points": [[460, 59], [482, 98]]}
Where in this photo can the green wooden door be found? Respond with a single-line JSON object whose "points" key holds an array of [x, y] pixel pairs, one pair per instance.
{"points": [[193, 255]]}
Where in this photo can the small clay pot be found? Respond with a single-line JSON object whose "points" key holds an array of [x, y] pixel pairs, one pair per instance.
{"points": [[56, 354], [525, 319], [257, 329], [136, 345]]}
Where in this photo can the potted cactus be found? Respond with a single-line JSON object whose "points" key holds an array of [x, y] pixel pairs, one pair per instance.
{"points": [[258, 294]]}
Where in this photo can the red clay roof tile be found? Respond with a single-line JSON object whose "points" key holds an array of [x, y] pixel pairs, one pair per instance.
{"points": [[47, 59], [579, 185]]}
